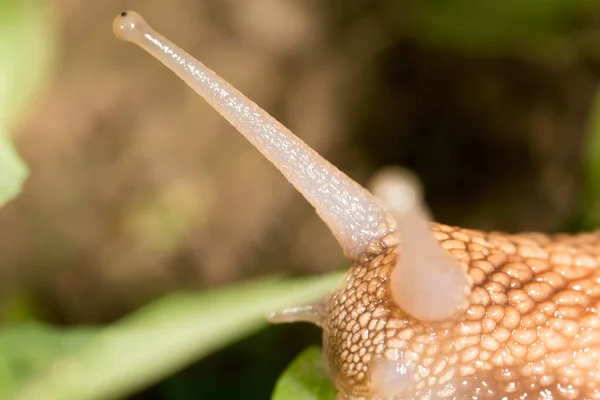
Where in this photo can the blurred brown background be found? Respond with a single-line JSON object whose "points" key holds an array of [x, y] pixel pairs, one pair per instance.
{"points": [[138, 188]]}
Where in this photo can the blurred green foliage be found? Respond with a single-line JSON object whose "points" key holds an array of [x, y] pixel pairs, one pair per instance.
{"points": [[305, 379], [588, 217], [26, 348], [14, 171], [27, 43], [494, 27], [148, 345], [27, 40]]}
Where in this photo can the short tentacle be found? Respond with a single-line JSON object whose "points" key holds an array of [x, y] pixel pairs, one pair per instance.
{"points": [[427, 283], [315, 314]]}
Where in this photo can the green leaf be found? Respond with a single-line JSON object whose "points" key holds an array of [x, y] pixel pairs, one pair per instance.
{"points": [[27, 43], [27, 40], [13, 170], [25, 348], [166, 336], [305, 379]]}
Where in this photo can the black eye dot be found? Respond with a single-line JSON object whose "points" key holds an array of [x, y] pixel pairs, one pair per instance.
{"points": [[124, 14]]}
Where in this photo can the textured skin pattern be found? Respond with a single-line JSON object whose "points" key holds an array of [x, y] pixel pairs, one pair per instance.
{"points": [[532, 328]]}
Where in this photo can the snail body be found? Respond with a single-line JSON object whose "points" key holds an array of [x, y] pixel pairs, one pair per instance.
{"points": [[428, 311]]}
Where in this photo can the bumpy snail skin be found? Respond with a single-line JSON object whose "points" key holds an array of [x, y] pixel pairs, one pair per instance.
{"points": [[428, 311]]}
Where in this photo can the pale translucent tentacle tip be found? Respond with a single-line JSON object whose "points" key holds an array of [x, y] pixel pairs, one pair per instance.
{"points": [[129, 26], [427, 283]]}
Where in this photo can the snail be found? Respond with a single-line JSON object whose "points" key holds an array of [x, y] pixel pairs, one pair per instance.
{"points": [[427, 311]]}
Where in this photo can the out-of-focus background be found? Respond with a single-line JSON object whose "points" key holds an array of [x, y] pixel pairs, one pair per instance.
{"points": [[139, 189]]}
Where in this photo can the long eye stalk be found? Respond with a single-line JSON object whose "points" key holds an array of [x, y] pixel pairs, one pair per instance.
{"points": [[351, 212]]}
